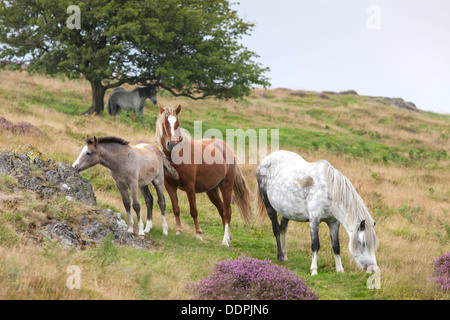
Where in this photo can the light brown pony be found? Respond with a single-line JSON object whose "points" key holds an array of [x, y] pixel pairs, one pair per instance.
{"points": [[197, 174], [132, 167]]}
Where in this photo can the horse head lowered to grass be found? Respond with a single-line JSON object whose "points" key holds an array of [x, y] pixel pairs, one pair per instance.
{"points": [[132, 167]]}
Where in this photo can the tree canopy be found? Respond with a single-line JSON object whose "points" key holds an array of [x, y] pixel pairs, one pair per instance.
{"points": [[189, 47]]}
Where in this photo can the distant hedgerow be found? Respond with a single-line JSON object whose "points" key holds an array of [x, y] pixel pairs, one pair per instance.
{"points": [[251, 279], [442, 271]]}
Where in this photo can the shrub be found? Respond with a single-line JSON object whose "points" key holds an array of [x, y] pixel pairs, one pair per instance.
{"points": [[324, 96], [5, 124], [250, 279], [298, 93], [21, 127], [349, 92], [442, 271]]}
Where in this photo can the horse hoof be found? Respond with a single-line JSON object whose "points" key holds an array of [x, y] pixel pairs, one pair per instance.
{"points": [[142, 236], [199, 237]]}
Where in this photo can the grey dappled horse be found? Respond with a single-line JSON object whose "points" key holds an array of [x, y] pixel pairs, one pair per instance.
{"points": [[130, 100], [302, 191]]}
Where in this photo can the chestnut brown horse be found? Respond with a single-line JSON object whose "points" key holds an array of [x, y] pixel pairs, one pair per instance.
{"points": [[200, 174]]}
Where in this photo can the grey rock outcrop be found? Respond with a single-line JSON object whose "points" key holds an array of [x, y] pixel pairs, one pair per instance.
{"points": [[92, 229], [399, 103], [70, 183], [25, 161], [49, 179]]}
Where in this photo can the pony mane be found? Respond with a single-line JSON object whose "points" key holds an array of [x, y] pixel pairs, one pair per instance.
{"points": [[345, 196], [145, 92], [111, 140]]}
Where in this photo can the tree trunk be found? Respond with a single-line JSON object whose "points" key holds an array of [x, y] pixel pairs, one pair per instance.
{"points": [[98, 94]]}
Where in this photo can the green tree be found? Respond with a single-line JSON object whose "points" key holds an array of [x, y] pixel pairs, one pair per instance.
{"points": [[189, 47]]}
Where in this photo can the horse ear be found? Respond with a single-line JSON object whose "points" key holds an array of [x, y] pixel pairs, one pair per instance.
{"points": [[95, 142], [362, 225], [161, 109], [178, 109]]}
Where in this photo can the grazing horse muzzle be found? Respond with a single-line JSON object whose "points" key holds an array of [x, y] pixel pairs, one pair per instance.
{"points": [[371, 268], [154, 100], [366, 264]]}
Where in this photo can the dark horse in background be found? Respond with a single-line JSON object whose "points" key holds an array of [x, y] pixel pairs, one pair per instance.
{"points": [[130, 100], [201, 176]]}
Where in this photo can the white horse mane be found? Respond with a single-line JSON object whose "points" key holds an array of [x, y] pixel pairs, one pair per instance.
{"points": [[345, 196]]}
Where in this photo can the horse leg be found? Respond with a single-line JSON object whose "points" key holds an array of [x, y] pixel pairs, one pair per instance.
{"points": [[283, 230], [214, 197], [190, 191], [137, 208], [149, 204], [123, 189], [334, 235], [227, 194], [273, 217], [276, 231], [172, 191], [315, 244], [159, 186]]}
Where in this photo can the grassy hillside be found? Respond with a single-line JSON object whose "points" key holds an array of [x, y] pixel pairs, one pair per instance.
{"points": [[398, 160]]}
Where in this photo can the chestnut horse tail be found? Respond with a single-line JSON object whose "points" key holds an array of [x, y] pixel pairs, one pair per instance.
{"points": [[260, 208], [242, 196]]}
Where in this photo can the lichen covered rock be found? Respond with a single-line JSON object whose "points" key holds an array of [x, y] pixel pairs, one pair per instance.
{"points": [[41, 175], [49, 179]]}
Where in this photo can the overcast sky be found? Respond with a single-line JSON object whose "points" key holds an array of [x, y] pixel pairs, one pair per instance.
{"points": [[392, 48]]}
